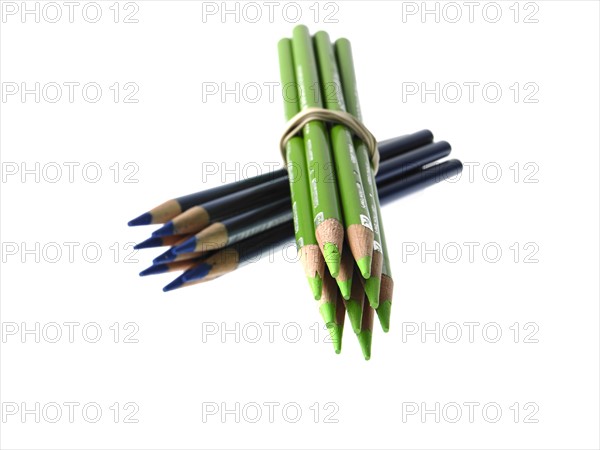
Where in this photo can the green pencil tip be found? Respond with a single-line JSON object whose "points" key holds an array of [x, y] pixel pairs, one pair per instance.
{"points": [[384, 312], [365, 338], [332, 256], [335, 332], [372, 288], [316, 286], [364, 264], [345, 288], [354, 310], [327, 311]]}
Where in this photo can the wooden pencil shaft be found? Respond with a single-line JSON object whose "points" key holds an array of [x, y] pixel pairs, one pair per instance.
{"points": [[224, 207], [346, 266], [253, 222], [324, 193], [197, 198], [197, 218], [296, 159], [252, 248], [418, 180], [352, 196], [417, 158]]}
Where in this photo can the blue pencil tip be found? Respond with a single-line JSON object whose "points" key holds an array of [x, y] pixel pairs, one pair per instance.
{"points": [[144, 219], [188, 246], [166, 230], [152, 270], [149, 243], [196, 273], [176, 283], [165, 257]]}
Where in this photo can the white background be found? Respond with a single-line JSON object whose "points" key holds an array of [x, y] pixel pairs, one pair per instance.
{"points": [[545, 199]]}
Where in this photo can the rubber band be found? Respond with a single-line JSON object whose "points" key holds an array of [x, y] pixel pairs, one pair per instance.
{"points": [[296, 123]]}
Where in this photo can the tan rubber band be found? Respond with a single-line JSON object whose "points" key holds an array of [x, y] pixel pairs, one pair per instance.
{"points": [[296, 123]]}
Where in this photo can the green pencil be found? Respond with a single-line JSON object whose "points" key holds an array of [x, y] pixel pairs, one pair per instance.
{"points": [[365, 336], [345, 61], [306, 241], [328, 300], [357, 220], [326, 210], [354, 305], [337, 331], [344, 279]]}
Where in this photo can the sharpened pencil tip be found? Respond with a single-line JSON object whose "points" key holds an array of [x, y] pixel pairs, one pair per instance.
{"points": [[149, 243], [316, 286], [167, 229], [176, 283], [335, 332], [384, 311], [365, 338], [197, 273], [332, 256], [144, 219], [364, 264], [345, 287], [188, 246], [152, 270], [165, 257], [327, 311], [354, 310], [372, 288]]}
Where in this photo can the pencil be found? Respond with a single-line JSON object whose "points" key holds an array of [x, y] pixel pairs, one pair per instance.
{"points": [[344, 279], [306, 242], [327, 215], [412, 160], [172, 208], [354, 305], [365, 335], [199, 217], [343, 54], [418, 180], [169, 267], [328, 300], [160, 241], [170, 256], [233, 257], [357, 219], [337, 331], [234, 229]]}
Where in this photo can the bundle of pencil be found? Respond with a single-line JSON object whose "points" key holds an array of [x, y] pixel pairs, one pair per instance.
{"points": [[332, 187]]}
